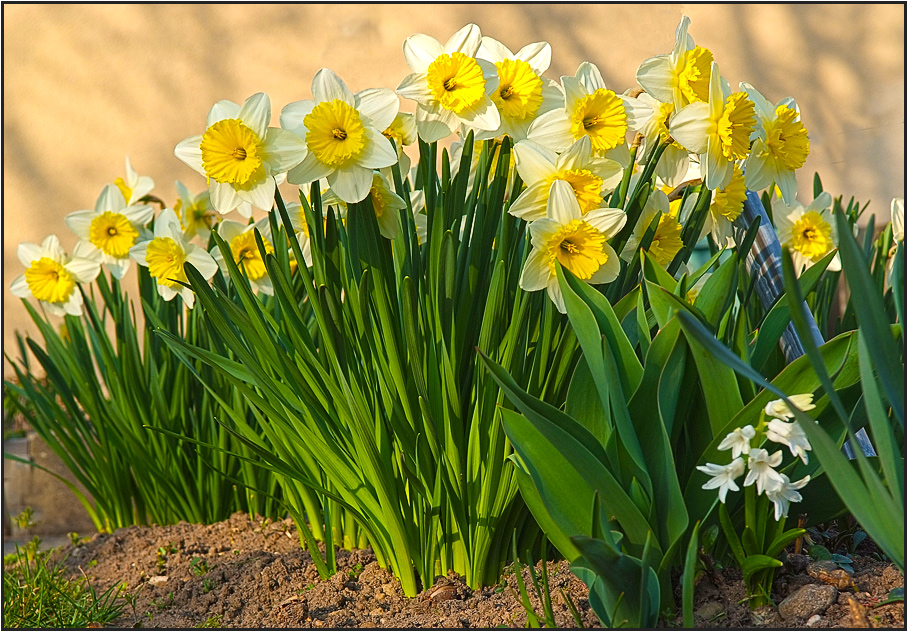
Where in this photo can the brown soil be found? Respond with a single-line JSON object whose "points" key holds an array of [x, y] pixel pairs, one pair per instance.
{"points": [[253, 574]]}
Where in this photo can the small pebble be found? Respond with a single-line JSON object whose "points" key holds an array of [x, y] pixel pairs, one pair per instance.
{"points": [[813, 620], [157, 579]]}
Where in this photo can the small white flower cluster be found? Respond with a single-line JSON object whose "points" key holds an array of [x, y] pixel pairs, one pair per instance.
{"points": [[760, 464]]}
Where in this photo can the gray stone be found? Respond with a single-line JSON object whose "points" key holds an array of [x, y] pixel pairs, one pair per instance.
{"points": [[710, 610], [798, 563], [807, 601]]}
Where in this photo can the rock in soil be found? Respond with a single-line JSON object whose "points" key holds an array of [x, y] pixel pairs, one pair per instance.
{"points": [[807, 601]]}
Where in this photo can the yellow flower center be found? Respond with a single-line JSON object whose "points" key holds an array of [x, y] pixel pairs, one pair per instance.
{"points": [[336, 134], [600, 116], [587, 187], [456, 81], [812, 236], [231, 152], [125, 190], [49, 281], [661, 122], [667, 240], [729, 202], [379, 196], [578, 246], [112, 234], [786, 139], [246, 254], [519, 93], [736, 125], [693, 79], [165, 259]]}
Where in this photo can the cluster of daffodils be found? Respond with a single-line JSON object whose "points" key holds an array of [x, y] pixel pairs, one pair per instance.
{"points": [[760, 465], [576, 142]]}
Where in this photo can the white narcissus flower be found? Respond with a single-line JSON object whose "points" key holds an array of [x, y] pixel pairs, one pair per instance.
{"points": [[196, 213], [760, 466], [723, 476], [387, 206], [726, 206], [780, 145], [450, 85], [667, 239], [343, 134], [675, 161], [245, 251], [522, 93], [298, 215], [51, 276], [134, 187], [790, 434], [402, 131], [783, 492], [780, 410], [718, 131], [738, 441], [539, 167], [681, 77], [420, 219], [590, 109], [241, 156], [108, 232], [165, 254], [574, 239], [808, 232]]}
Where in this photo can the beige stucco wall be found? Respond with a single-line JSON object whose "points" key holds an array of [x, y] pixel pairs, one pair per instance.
{"points": [[86, 85]]}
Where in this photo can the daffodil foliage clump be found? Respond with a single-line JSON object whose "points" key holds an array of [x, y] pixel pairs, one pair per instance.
{"points": [[372, 323]]}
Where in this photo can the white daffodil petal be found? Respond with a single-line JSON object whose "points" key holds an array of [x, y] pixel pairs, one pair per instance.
{"points": [[256, 113], [222, 110], [223, 197], [19, 287], [433, 126], [554, 292], [415, 86], [78, 222], [590, 77], [261, 195], [351, 184], [309, 170], [562, 205], [377, 107], [538, 55], [327, 86], [690, 127], [379, 151], [421, 50], [118, 267], [576, 156], [283, 150], [111, 199], [84, 270], [492, 50], [465, 41], [530, 205], [655, 76], [201, 261], [190, 152], [607, 220], [573, 91], [535, 162], [31, 252], [552, 130], [609, 270], [293, 115], [536, 273]]}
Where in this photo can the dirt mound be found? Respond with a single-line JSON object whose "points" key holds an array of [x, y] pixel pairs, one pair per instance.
{"points": [[254, 574]]}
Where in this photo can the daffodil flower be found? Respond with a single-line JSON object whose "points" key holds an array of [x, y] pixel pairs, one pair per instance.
{"points": [[718, 131], [343, 134], [196, 213], [760, 468], [522, 93], [783, 492], [726, 206], [298, 215], [780, 145], [241, 156], [780, 410], [897, 212], [675, 161], [387, 206], [51, 276], [681, 77], [450, 85], [134, 187], [402, 131], [590, 109], [165, 254], [420, 219], [574, 239], [723, 476], [790, 434], [108, 232], [808, 232], [539, 167], [245, 251], [666, 241], [738, 441]]}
